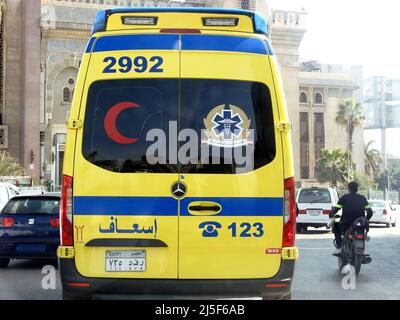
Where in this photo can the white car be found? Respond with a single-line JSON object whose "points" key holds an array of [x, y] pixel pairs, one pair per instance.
{"points": [[7, 191], [384, 213], [314, 207]]}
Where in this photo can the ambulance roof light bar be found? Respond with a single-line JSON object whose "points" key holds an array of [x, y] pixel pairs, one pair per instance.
{"points": [[226, 22], [259, 24], [140, 21]]}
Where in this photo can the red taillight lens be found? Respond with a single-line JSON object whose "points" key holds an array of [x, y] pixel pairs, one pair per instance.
{"points": [[289, 214], [66, 212], [302, 211], [384, 212], [6, 222], [327, 212], [359, 236], [55, 222]]}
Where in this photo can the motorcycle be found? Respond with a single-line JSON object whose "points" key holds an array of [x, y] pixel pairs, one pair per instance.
{"points": [[353, 245]]}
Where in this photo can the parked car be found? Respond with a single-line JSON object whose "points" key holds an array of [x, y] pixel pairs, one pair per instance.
{"points": [[29, 228], [384, 213], [7, 191], [314, 206]]}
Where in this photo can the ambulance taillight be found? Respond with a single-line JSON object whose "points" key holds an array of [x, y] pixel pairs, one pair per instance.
{"points": [[66, 212], [289, 214]]}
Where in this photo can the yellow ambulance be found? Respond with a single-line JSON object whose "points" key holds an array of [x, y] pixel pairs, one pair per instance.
{"points": [[178, 171]]}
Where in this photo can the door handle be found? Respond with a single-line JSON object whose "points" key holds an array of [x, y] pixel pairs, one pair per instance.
{"points": [[204, 208]]}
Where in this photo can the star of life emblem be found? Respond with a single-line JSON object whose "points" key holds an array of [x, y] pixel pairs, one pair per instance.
{"points": [[227, 126]]}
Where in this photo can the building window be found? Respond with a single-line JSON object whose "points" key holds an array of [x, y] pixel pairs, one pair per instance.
{"points": [[319, 135], [67, 97], [304, 146], [303, 97], [318, 98]]}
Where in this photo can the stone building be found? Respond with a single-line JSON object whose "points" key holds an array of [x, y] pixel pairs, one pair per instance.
{"points": [[322, 88], [42, 43]]}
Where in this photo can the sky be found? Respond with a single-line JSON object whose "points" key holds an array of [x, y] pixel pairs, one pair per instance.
{"points": [[353, 32]]}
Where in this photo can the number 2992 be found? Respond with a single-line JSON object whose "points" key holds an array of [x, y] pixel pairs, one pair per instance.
{"points": [[138, 64]]}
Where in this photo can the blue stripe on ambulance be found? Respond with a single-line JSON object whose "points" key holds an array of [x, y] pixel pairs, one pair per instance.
{"points": [[223, 43], [246, 207], [168, 206], [171, 42], [137, 42]]}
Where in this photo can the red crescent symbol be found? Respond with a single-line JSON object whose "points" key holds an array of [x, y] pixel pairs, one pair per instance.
{"points": [[110, 122]]}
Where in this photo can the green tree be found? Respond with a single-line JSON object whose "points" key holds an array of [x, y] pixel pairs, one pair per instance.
{"points": [[8, 166], [373, 160], [394, 178], [364, 181], [351, 115], [332, 167]]}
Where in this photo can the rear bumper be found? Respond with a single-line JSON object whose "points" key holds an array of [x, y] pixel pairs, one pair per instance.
{"points": [[75, 285], [380, 219], [9, 248], [312, 220]]}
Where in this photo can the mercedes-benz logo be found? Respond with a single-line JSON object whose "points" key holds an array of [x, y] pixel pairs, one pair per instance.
{"points": [[178, 189]]}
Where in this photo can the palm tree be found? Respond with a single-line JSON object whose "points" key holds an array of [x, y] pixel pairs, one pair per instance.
{"points": [[332, 167], [351, 115], [8, 166], [373, 160]]}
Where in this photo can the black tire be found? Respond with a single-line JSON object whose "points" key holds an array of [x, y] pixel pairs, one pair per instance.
{"points": [[68, 296], [4, 262], [287, 297], [341, 263], [299, 228], [388, 225], [357, 263], [304, 228]]}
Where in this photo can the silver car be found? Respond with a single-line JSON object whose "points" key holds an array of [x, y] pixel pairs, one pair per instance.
{"points": [[384, 213]]}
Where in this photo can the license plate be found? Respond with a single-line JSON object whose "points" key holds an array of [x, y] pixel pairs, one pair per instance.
{"points": [[126, 261], [314, 212], [31, 247]]}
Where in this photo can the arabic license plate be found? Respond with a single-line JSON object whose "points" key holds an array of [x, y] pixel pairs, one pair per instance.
{"points": [[314, 212], [126, 261]]}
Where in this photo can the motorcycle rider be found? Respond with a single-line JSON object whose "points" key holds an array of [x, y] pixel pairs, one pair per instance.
{"points": [[353, 206]]}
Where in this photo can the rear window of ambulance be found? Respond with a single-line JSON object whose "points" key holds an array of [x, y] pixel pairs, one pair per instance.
{"points": [[120, 114]]}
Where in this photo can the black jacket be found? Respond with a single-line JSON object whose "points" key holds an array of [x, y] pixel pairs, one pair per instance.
{"points": [[353, 206]]}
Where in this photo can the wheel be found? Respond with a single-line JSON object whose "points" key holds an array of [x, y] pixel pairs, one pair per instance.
{"points": [[388, 225], [357, 263], [299, 228], [4, 262], [341, 263], [68, 296], [304, 228], [287, 297]]}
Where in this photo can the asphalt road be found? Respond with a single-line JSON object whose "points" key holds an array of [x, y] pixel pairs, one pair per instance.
{"points": [[316, 275]]}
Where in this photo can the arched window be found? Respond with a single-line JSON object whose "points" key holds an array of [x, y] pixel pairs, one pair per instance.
{"points": [[303, 97], [66, 95], [318, 98]]}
